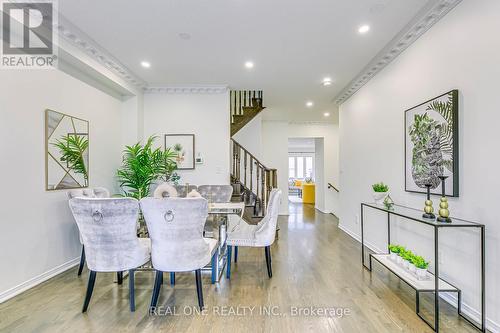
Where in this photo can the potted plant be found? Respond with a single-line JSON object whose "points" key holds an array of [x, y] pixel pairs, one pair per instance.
{"points": [[399, 259], [142, 165], [411, 265], [421, 267], [394, 251], [406, 256], [380, 192]]}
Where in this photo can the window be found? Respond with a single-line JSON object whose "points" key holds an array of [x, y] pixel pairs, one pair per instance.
{"points": [[300, 166], [291, 167]]}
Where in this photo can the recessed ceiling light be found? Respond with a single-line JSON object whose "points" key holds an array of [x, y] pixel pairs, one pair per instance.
{"points": [[145, 64], [327, 81], [249, 64], [326, 114], [364, 29], [309, 104], [184, 35]]}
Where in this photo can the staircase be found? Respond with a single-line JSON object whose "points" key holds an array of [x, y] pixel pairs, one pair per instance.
{"points": [[252, 181], [245, 105]]}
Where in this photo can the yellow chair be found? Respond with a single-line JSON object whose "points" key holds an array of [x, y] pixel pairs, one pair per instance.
{"points": [[308, 193]]}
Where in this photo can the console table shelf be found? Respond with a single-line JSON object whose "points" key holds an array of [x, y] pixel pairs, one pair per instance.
{"points": [[435, 284]]}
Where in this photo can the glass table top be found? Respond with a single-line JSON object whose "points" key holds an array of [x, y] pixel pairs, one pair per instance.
{"points": [[416, 215]]}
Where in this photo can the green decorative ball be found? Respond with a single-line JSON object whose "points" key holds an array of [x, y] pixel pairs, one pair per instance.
{"points": [[428, 209], [428, 202], [443, 205]]}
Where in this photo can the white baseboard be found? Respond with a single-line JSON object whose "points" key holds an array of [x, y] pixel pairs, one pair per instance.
{"points": [[9, 293], [450, 298]]}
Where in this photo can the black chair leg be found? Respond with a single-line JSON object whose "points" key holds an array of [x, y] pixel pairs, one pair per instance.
{"points": [[235, 254], [199, 288], [119, 276], [156, 289], [82, 261], [90, 289], [131, 289], [268, 261]]}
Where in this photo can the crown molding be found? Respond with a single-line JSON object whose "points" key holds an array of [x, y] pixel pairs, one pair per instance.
{"points": [[423, 21], [79, 39], [193, 89]]}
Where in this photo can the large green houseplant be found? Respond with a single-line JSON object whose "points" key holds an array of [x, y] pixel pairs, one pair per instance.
{"points": [[142, 165]]}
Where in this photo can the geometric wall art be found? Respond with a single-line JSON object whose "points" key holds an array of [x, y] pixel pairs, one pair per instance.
{"points": [[66, 151], [431, 145]]}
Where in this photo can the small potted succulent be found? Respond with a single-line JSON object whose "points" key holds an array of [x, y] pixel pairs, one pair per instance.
{"points": [[406, 256], [399, 259], [421, 267], [394, 250], [380, 192], [411, 266]]}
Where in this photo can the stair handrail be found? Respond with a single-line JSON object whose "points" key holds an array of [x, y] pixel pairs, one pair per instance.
{"points": [[331, 186]]}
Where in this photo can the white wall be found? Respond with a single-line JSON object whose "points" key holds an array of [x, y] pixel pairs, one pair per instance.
{"points": [[206, 116], [39, 237], [250, 136], [462, 52], [275, 136]]}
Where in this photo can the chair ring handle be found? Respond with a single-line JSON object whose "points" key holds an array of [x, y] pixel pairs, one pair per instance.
{"points": [[169, 216], [97, 216]]}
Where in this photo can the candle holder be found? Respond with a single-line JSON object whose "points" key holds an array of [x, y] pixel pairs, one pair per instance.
{"points": [[429, 210], [444, 213]]}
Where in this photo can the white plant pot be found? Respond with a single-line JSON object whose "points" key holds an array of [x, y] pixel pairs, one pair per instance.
{"points": [[412, 268], [379, 197], [399, 260], [406, 264], [394, 256], [421, 273]]}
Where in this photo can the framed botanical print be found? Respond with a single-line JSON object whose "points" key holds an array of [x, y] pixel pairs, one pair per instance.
{"points": [[431, 145], [183, 147]]}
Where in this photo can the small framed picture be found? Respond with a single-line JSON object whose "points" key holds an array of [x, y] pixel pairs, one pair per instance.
{"points": [[183, 147]]}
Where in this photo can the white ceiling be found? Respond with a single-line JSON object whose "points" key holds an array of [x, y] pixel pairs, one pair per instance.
{"points": [[293, 43]]}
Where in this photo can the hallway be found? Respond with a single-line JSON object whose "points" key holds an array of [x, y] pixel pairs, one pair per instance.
{"points": [[316, 266]]}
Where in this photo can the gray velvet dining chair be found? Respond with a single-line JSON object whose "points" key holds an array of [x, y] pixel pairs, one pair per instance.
{"points": [[175, 226], [216, 193], [108, 230], [96, 192], [262, 234], [183, 190]]}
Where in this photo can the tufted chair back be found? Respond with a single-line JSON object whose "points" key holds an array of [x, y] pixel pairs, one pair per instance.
{"points": [[175, 226], [219, 193], [266, 229], [181, 190], [96, 192], [108, 230]]}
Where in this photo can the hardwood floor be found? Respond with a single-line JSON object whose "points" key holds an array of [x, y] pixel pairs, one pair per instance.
{"points": [[315, 264]]}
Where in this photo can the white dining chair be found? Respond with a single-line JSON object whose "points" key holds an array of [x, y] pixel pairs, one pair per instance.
{"points": [[108, 230], [97, 192], [262, 234], [175, 226], [216, 193]]}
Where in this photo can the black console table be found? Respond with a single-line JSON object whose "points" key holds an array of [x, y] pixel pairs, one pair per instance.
{"points": [[438, 284]]}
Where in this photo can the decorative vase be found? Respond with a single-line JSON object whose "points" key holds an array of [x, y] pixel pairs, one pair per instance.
{"points": [[388, 202], [421, 273], [379, 197], [444, 213], [428, 210]]}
